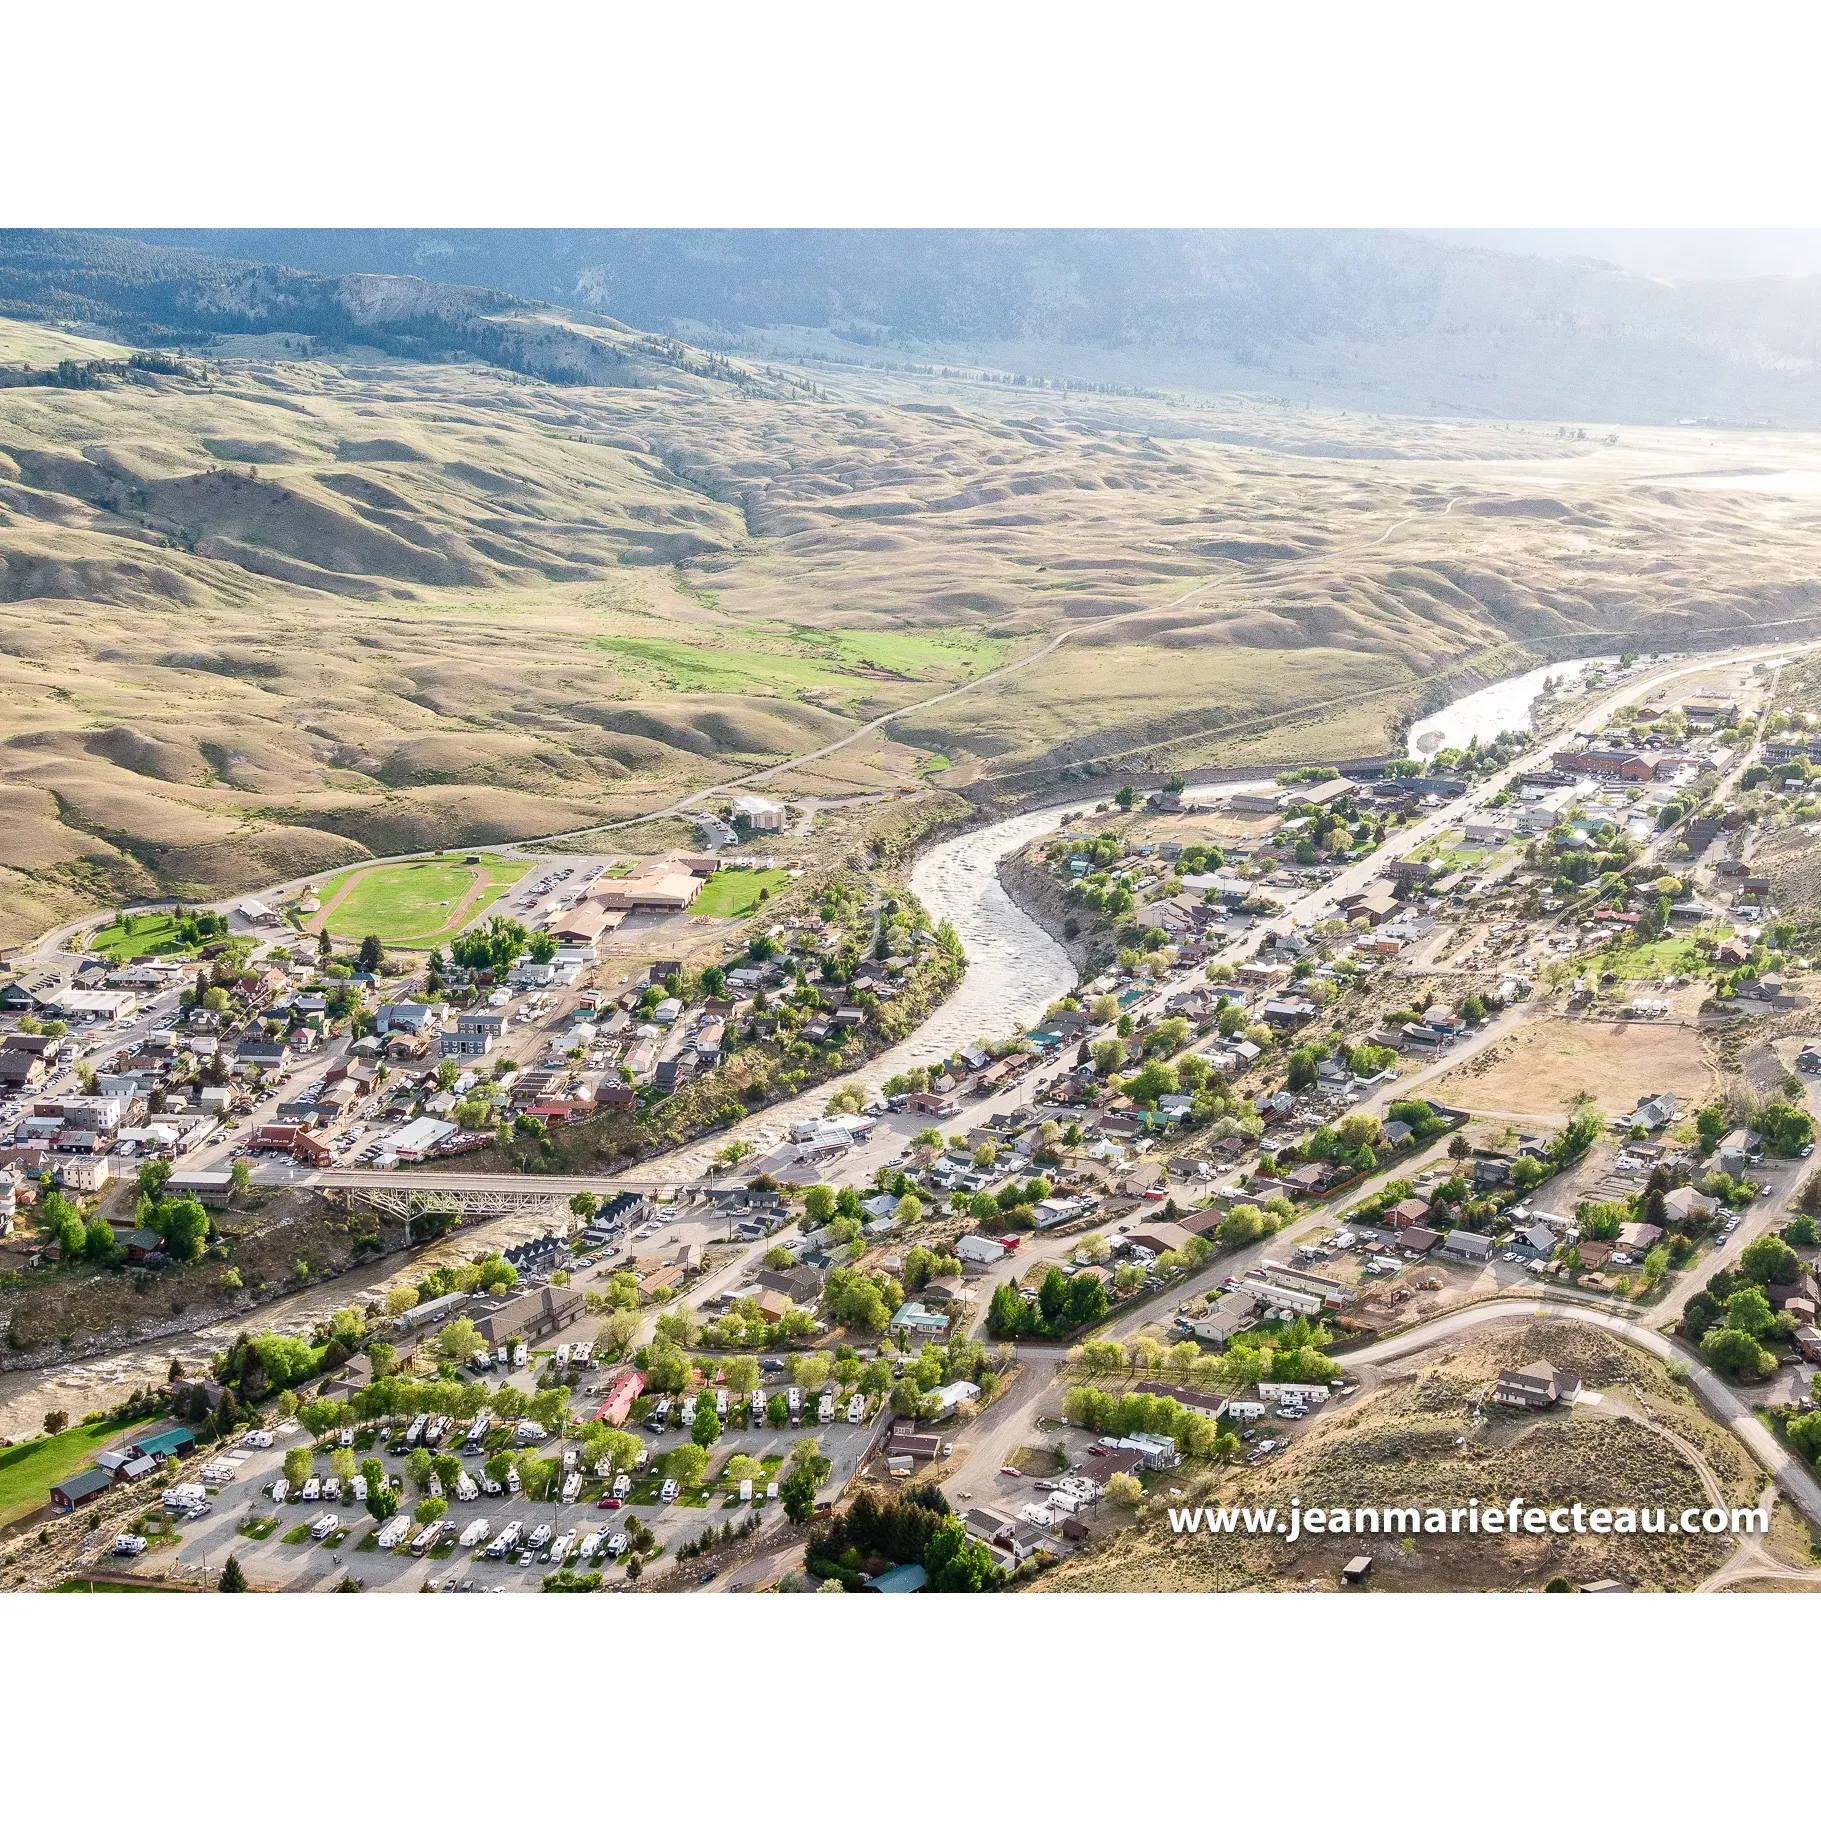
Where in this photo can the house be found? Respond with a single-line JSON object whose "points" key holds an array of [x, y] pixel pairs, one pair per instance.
{"points": [[1638, 1236], [405, 1016], [1310, 1179], [1226, 1316], [1418, 1240], [1594, 1254], [914, 1318], [953, 1395], [774, 1305], [1287, 1013], [978, 1249], [124, 1467], [907, 1577], [1476, 1248], [68, 1495], [1163, 1236], [986, 1526], [760, 813], [167, 1444], [1655, 1111], [1288, 1391], [1535, 1387], [797, 1284]]}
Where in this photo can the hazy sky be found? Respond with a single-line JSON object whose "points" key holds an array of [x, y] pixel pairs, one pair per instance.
{"points": [[1674, 253]]}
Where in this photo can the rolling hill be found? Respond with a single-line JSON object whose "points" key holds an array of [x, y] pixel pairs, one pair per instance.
{"points": [[340, 580]]}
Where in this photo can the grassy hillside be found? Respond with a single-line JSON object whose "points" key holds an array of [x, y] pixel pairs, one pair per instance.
{"points": [[295, 610]]}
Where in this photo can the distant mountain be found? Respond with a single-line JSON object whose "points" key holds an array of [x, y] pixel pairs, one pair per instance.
{"points": [[159, 294], [1397, 322]]}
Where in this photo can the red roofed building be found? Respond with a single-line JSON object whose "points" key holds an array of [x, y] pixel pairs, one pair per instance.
{"points": [[621, 1395]]}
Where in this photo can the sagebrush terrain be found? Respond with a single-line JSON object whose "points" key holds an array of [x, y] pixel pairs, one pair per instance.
{"points": [[316, 601]]}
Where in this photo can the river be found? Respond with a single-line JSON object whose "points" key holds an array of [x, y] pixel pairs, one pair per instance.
{"points": [[1496, 709], [1015, 969]]}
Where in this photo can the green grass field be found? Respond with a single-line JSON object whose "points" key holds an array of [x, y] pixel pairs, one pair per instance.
{"points": [[111, 1587], [1654, 960], [29, 1471], [732, 893], [153, 933], [410, 904], [789, 659]]}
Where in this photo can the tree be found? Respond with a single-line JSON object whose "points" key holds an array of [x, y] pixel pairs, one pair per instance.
{"points": [[1087, 1300], [1008, 1315], [233, 1580], [459, 1342], [1701, 1313], [1732, 1350], [371, 954], [1802, 1231], [1786, 1128], [819, 1204], [298, 1464], [1770, 1260], [240, 1178], [56, 1421], [743, 1467], [1749, 1311], [583, 1205], [955, 1562], [742, 1375], [798, 1495], [1125, 1489], [343, 1465], [685, 1463], [705, 1431]]}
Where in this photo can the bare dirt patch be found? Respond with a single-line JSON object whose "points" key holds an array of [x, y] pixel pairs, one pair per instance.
{"points": [[1540, 1069]]}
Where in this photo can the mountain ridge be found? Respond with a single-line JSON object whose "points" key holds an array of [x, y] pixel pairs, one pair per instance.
{"points": [[1377, 320]]}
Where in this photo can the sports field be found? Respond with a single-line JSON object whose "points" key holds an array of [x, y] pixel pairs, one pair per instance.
{"points": [[416, 903], [731, 893]]}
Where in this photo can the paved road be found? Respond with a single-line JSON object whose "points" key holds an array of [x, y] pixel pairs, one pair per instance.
{"points": [[1722, 1402]]}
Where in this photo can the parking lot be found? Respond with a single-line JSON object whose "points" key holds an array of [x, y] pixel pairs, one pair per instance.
{"points": [[272, 1562]]}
